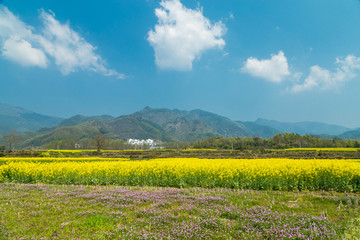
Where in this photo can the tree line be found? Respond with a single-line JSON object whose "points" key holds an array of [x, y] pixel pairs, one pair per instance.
{"points": [[278, 141]]}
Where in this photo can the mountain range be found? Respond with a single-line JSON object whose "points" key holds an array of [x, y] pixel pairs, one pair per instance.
{"points": [[23, 120], [161, 124]]}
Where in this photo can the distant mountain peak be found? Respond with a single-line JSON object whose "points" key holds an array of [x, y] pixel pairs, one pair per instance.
{"points": [[13, 111], [304, 127], [23, 120]]}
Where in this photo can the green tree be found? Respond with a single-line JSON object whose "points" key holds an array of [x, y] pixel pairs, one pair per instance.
{"points": [[12, 138], [100, 140]]}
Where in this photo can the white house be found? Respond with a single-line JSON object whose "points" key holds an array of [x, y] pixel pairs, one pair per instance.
{"points": [[152, 143]]}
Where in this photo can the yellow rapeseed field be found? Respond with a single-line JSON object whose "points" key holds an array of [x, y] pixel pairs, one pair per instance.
{"points": [[4, 160], [319, 149], [85, 150], [278, 174]]}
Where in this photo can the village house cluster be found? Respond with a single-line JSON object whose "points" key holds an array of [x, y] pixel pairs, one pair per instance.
{"points": [[150, 142]]}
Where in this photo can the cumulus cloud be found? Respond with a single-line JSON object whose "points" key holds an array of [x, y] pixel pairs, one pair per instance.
{"points": [[10, 25], [323, 79], [275, 69], [182, 35], [15, 41], [22, 52], [69, 50]]}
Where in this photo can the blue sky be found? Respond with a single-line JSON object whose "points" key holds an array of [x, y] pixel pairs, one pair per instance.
{"points": [[283, 60]]}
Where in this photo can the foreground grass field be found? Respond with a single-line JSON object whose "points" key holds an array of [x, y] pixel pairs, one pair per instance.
{"points": [[41, 211]]}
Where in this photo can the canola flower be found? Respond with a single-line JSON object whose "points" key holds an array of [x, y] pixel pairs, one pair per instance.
{"points": [[4, 160], [87, 150], [318, 149], [75, 151], [198, 149], [262, 174]]}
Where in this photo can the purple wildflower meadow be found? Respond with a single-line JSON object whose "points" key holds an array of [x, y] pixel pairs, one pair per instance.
{"points": [[158, 213]]}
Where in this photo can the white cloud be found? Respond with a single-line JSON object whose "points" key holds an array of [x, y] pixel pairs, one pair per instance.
{"points": [[70, 51], [22, 52], [10, 25], [275, 69], [323, 79], [182, 35], [15, 41]]}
